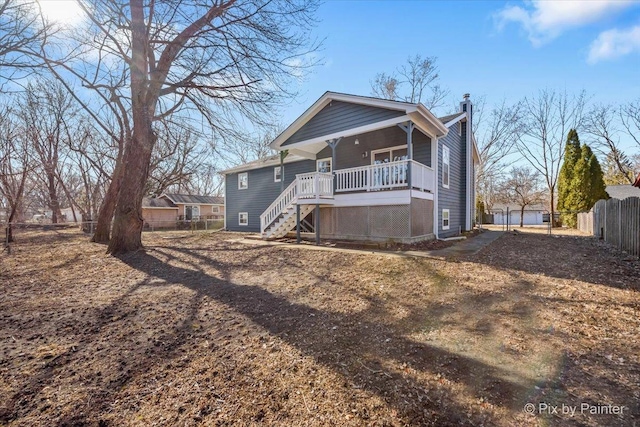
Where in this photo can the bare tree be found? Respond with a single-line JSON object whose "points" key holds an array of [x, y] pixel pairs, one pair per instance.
{"points": [[21, 32], [496, 133], [602, 126], [385, 86], [415, 82], [210, 63], [207, 181], [177, 157], [523, 187], [630, 118], [548, 118], [15, 168], [46, 110]]}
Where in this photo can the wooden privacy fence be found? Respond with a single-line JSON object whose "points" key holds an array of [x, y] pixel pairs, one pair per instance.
{"points": [[615, 221]]}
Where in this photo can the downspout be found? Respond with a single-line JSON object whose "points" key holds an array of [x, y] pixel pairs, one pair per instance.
{"points": [[283, 154], [436, 192]]}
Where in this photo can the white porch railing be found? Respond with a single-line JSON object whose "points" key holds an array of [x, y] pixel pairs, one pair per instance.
{"points": [[314, 185], [422, 177], [278, 206], [385, 176]]}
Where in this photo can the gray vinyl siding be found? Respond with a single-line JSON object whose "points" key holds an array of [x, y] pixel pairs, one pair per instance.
{"points": [[454, 197], [350, 155], [421, 148], [262, 191], [339, 116]]}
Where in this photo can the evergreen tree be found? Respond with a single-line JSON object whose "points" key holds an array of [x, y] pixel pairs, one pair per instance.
{"points": [[586, 186], [572, 153], [597, 190]]}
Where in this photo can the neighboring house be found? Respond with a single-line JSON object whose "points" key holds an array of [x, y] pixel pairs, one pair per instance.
{"points": [[621, 192], [533, 214], [361, 168], [165, 210], [195, 207]]}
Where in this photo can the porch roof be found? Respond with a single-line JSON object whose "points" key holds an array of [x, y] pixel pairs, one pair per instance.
{"points": [[417, 113]]}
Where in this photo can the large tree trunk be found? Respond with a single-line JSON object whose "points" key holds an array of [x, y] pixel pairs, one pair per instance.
{"points": [[521, 216], [9, 236], [127, 224], [54, 205], [108, 207]]}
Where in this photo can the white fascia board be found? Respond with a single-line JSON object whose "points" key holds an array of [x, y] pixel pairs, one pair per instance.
{"points": [[306, 154], [350, 132], [373, 102], [255, 165], [301, 121], [325, 99], [476, 152], [432, 119], [426, 127]]}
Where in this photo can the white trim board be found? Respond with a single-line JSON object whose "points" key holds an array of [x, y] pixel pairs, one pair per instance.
{"points": [[373, 198]]}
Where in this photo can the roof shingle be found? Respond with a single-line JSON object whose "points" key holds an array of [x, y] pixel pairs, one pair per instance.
{"points": [[195, 199]]}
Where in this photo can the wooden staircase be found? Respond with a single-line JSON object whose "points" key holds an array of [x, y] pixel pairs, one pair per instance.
{"points": [[280, 217], [286, 221]]}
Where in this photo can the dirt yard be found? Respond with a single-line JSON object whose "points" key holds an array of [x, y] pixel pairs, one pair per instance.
{"points": [[203, 329]]}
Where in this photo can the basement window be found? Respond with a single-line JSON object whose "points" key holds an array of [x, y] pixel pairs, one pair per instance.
{"points": [[243, 218], [445, 219]]}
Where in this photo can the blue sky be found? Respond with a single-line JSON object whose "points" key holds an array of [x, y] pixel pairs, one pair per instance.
{"points": [[496, 49]]}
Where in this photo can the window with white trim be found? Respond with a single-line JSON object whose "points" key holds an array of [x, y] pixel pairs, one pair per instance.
{"points": [[277, 174], [243, 180], [323, 165], [243, 218], [215, 209], [392, 154], [445, 219], [445, 166]]}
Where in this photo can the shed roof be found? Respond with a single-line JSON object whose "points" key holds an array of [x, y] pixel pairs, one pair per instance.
{"points": [[622, 191], [194, 199], [149, 202]]}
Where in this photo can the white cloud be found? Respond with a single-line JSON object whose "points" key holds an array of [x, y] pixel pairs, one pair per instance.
{"points": [[614, 43], [546, 20], [62, 12]]}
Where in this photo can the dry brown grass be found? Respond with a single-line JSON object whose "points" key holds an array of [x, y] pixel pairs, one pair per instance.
{"points": [[201, 329]]}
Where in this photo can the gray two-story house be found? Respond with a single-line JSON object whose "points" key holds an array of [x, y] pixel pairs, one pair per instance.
{"points": [[361, 168]]}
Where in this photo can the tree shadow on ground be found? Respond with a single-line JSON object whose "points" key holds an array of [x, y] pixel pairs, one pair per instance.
{"points": [[349, 344]]}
